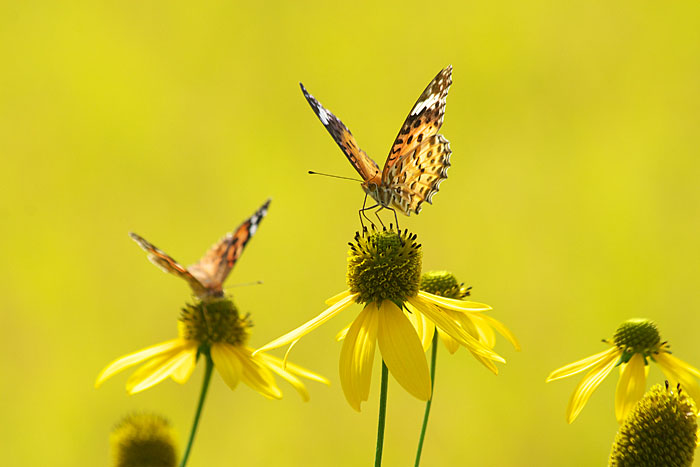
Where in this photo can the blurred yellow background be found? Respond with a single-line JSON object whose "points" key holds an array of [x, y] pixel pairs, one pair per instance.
{"points": [[571, 205]]}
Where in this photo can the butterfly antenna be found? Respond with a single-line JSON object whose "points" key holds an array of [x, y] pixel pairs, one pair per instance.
{"points": [[311, 172], [244, 284]]}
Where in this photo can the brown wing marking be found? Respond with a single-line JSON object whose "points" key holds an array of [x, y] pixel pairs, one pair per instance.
{"points": [[217, 263], [167, 263], [424, 120], [365, 166], [417, 175]]}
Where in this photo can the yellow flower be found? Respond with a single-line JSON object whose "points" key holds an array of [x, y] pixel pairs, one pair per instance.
{"points": [[215, 329], [635, 342], [384, 271], [476, 323]]}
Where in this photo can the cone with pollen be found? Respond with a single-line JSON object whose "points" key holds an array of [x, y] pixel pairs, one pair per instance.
{"points": [[215, 328], [661, 430], [384, 275], [143, 440], [636, 343]]}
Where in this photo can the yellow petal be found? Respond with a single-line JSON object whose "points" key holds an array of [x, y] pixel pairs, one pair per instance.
{"points": [[588, 384], [277, 368], [184, 371], [309, 326], [336, 298], [402, 351], [453, 304], [484, 331], [357, 356], [451, 344], [424, 327], [676, 372], [501, 329], [294, 369], [630, 387], [227, 362], [487, 363], [581, 365], [256, 375], [342, 333], [157, 370], [680, 364], [448, 325], [135, 358]]}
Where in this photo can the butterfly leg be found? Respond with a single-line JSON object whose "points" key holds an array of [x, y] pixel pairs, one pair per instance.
{"points": [[396, 219], [376, 213], [361, 212]]}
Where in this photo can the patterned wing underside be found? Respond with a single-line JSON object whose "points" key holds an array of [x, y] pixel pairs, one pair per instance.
{"points": [[217, 263], [416, 175], [168, 264], [424, 120], [365, 166]]}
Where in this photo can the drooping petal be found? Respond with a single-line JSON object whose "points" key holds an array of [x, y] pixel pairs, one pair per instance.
{"points": [[295, 369], [135, 358], [336, 298], [679, 364], [157, 370], [454, 304], [486, 362], [309, 326], [357, 356], [485, 331], [501, 329], [342, 333], [227, 362], [588, 384], [256, 375], [454, 329], [276, 366], [451, 345], [676, 372], [424, 327], [581, 365], [630, 387], [402, 351], [183, 372]]}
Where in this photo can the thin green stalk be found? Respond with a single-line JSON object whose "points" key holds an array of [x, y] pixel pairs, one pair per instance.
{"points": [[433, 361], [202, 396], [382, 416]]}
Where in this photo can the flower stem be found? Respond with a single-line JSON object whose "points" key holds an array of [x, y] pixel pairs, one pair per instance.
{"points": [[433, 361], [382, 416], [202, 396]]}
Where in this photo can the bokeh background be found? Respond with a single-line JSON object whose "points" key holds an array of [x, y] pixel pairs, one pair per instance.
{"points": [[572, 205]]}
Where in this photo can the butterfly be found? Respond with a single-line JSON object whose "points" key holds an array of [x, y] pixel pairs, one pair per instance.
{"points": [[418, 159], [207, 276]]}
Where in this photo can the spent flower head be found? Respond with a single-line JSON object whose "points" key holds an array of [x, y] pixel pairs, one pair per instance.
{"points": [[216, 329], [384, 275], [635, 344], [660, 430], [143, 439]]}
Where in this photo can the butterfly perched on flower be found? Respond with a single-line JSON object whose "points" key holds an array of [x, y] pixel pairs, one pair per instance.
{"points": [[418, 159], [206, 277]]}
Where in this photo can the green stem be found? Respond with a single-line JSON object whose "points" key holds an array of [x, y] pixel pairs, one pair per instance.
{"points": [[382, 416], [202, 396], [428, 404]]}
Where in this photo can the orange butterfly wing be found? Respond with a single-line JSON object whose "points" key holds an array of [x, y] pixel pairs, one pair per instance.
{"points": [[215, 266], [419, 158], [168, 264], [365, 166]]}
